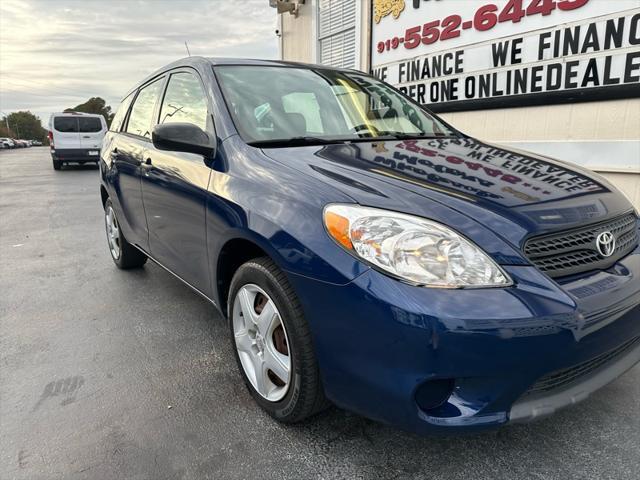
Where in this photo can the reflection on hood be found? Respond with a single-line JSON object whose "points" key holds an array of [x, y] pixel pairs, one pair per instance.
{"points": [[466, 166]]}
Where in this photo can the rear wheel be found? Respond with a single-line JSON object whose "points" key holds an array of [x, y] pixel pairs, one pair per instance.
{"points": [[272, 343], [124, 254], [57, 164]]}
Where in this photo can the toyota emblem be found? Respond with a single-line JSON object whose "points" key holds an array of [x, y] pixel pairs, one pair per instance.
{"points": [[606, 244]]}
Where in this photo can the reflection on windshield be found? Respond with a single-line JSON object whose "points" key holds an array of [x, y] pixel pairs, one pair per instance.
{"points": [[276, 104]]}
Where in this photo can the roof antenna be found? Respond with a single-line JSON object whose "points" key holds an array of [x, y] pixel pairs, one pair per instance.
{"points": [[187, 47]]}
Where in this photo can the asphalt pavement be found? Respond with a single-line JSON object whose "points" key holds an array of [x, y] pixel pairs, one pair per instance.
{"points": [[106, 374]]}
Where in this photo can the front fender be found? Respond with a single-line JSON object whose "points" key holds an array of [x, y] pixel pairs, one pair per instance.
{"points": [[278, 209]]}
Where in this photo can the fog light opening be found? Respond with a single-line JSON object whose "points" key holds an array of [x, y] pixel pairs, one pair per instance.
{"points": [[434, 393]]}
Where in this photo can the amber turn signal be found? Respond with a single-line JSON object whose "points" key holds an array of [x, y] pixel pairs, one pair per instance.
{"points": [[338, 228]]}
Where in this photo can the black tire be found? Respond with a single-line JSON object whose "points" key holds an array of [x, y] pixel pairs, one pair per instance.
{"points": [[57, 164], [129, 257], [305, 396]]}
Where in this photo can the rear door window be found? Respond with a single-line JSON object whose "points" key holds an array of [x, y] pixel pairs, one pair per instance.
{"points": [[118, 118], [65, 124], [89, 124], [141, 117]]}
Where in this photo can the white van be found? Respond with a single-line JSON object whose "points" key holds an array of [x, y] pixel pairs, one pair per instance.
{"points": [[75, 137]]}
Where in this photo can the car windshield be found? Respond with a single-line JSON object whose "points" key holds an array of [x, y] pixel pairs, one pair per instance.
{"points": [[286, 105]]}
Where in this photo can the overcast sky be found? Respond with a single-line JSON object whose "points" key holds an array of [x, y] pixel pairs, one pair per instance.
{"points": [[55, 54]]}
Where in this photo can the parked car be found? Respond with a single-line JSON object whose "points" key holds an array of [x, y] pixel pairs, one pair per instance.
{"points": [[7, 143], [75, 138], [36, 143], [367, 253]]}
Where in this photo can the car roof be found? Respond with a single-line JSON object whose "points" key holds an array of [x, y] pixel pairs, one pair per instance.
{"points": [[218, 61], [75, 114], [251, 61]]}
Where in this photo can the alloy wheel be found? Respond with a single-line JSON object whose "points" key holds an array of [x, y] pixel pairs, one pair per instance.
{"points": [[113, 232], [262, 343]]}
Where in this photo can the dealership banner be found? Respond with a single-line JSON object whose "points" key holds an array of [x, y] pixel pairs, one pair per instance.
{"points": [[465, 54]]}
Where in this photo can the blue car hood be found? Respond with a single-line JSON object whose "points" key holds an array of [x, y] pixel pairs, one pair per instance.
{"points": [[514, 193]]}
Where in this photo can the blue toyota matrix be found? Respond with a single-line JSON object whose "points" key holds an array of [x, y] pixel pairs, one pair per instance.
{"points": [[369, 255]]}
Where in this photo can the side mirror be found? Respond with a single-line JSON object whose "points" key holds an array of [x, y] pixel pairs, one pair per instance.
{"points": [[183, 137]]}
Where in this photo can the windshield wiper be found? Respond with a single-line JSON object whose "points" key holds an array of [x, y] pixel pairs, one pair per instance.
{"points": [[311, 140], [403, 135], [294, 141]]}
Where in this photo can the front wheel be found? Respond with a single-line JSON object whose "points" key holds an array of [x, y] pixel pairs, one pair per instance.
{"points": [[272, 343], [124, 255]]}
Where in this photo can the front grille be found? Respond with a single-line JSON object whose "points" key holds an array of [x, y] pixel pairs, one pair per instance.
{"points": [[563, 377], [574, 251]]}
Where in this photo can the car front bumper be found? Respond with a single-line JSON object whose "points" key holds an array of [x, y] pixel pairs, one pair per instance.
{"points": [[380, 341]]}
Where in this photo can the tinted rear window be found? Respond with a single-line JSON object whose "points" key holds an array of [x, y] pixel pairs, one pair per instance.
{"points": [[89, 124], [66, 124], [118, 119]]}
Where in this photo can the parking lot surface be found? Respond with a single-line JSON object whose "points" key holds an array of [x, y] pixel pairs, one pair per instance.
{"points": [[111, 374]]}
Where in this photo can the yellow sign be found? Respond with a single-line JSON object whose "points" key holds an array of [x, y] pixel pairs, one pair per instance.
{"points": [[382, 8]]}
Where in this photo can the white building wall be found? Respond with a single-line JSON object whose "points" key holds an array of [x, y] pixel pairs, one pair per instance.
{"points": [[297, 43]]}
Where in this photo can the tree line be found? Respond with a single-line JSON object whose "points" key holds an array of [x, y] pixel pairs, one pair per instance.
{"points": [[25, 125]]}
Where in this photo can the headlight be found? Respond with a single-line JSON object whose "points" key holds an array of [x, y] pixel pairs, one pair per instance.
{"points": [[411, 248]]}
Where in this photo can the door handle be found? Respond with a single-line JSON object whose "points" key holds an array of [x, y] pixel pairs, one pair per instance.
{"points": [[86, 136]]}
